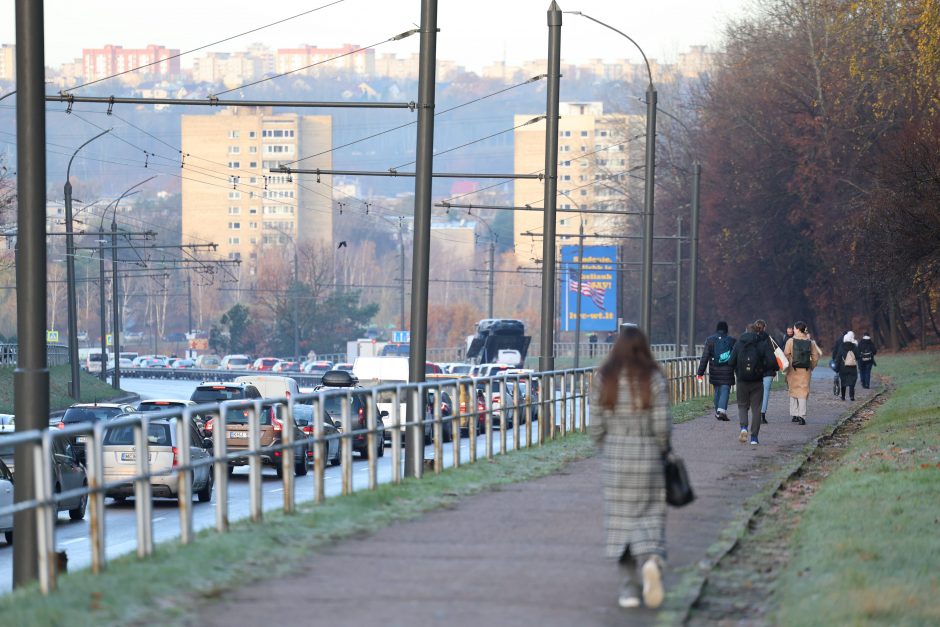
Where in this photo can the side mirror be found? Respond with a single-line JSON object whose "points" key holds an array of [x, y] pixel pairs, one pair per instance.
{"points": [[207, 443], [383, 414]]}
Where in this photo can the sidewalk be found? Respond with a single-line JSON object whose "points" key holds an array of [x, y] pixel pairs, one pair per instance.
{"points": [[529, 553]]}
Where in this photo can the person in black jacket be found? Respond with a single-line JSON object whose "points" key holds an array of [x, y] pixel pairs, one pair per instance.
{"points": [[751, 358], [760, 327], [847, 360], [866, 354], [717, 358]]}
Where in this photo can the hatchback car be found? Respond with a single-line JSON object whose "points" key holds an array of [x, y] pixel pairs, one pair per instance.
{"points": [[265, 364], [89, 413], [303, 418], [235, 362], [333, 404], [120, 460]]}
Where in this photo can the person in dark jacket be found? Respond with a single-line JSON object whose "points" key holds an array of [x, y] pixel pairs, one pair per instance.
{"points": [[866, 354], [847, 359], [717, 358], [750, 358], [760, 327]]}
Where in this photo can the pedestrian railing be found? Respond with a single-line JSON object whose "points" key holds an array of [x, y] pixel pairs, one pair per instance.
{"points": [[532, 407], [56, 354]]}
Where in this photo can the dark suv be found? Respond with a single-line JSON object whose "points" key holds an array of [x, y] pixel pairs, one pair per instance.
{"points": [[341, 379], [90, 412]]}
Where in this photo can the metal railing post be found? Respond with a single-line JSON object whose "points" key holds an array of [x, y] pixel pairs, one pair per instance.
{"points": [[254, 461], [94, 457], [473, 420], [346, 458], [584, 398], [221, 469], [455, 425], [517, 412], [320, 450], [503, 411], [372, 425], [488, 427], [396, 436], [46, 514], [143, 493], [185, 477], [288, 455], [438, 431]]}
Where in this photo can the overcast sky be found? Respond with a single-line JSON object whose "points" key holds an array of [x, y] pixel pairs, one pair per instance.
{"points": [[472, 33]]}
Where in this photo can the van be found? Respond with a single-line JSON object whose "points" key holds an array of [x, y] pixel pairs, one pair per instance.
{"points": [[271, 386], [93, 361]]}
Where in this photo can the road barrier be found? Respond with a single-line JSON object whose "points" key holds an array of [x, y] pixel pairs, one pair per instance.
{"points": [[514, 401], [56, 354]]}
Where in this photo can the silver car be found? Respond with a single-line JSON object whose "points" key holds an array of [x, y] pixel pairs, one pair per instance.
{"points": [[6, 500], [120, 461]]}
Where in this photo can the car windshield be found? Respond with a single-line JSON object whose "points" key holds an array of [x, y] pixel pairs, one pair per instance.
{"points": [[89, 414], [157, 435], [240, 416], [217, 394], [334, 405]]}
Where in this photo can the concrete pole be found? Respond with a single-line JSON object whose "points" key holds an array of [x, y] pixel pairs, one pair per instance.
{"points": [[547, 330], [101, 304], [424, 166], [693, 253], [115, 306], [492, 280], [401, 275], [678, 333], [295, 313], [577, 315], [646, 283]]}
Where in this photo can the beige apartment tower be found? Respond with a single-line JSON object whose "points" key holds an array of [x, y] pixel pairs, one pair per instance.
{"points": [[230, 195], [597, 156]]}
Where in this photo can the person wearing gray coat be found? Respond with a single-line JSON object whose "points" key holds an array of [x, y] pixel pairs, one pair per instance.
{"points": [[631, 423]]}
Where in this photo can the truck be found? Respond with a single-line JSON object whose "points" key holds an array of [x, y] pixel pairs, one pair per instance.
{"points": [[363, 347], [498, 340]]}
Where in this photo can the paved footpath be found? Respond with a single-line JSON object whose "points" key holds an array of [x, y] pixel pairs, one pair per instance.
{"points": [[528, 553]]}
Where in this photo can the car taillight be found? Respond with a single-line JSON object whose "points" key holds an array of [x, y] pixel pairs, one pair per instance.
{"points": [[208, 425], [308, 430], [275, 423], [61, 425], [362, 417], [176, 457]]}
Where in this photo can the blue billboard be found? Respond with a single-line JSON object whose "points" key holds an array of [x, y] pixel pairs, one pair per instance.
{"points": [[597, 288]]}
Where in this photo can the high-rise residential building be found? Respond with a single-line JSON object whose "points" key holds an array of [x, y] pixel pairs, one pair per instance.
{"points": [[234, 68], [7, 62], [347, 58], [230, 195], [597, 153], [98, 63]]}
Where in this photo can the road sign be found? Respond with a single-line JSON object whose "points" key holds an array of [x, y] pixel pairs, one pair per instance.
{"points": [[597, 288], [109, 339], [401, 337], [52, 337]]}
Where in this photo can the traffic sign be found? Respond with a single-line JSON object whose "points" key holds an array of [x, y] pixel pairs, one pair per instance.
{"points": [[52, 337], [402, 337], [109, 339]]}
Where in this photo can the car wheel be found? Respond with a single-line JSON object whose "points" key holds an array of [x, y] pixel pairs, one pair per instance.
{"points": [[8, 536], [79, 512], [381, 451], [205, 495], [300, 469]]}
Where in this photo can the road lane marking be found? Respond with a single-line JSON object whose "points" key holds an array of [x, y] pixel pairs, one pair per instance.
{"points": [[276, 490], [73, 541], [159, 518]]}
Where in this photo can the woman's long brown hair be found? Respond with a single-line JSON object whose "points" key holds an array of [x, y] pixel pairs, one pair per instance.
{"points": [[630, 355]]}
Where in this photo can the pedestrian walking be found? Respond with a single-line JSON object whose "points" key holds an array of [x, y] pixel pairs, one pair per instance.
{"points": [[592, 344], [803, 355], [786, 337], [770, 371], [848, 359], [750, 358], [631, 423], [717, 358], [866, 353]]}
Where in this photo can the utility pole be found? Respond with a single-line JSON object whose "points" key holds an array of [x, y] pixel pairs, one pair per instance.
{"points": [[401, 274], [492, 279], [189, 303], [115, 306], [547, 330], [104, 316], [679, 287], [577, 316], [693, 253], [424, 167], [31, 378], [646, 284], [296, 310]]}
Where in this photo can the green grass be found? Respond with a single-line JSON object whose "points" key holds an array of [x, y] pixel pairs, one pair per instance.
{"points": [[176, 578], [93, 389], [867, 550]]}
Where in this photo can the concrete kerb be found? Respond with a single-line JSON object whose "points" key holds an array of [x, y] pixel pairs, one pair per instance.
{"points": [[730, 538]]}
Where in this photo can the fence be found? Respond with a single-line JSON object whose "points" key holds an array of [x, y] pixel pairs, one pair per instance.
{"points": [[56, 354], [558, 401]]}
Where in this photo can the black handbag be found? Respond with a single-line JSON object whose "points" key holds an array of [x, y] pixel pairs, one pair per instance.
{"points": [[678, 489]]}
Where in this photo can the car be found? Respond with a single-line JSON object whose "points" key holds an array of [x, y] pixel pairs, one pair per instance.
{"points": [[236, 423], [499, 403], [464, 383], [235, 362], [303, 418], [6, 500], [93, 362], [123, 363], [431, 368], [208, 362], [183, 364], [141, 358], [160, 404], [395, 349], [265, 364], [447, 411], [89, 413], [348, 367], [333, 405], [270, 385], [317, 366], [133, 337], [286, 366], [174, 337], [120, 460], [154, 362], [68, 473]]}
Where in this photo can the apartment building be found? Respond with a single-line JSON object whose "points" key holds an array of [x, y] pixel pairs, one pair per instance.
{"points": [[231, 197], [597, 154], [347, 58], [7, 62], [98, 63]]}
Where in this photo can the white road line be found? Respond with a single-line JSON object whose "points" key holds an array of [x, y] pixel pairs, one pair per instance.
{"points": [[159, 518], [73, 541], [276, 490]]}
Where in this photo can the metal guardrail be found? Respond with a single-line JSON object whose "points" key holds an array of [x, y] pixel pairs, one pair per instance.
{"points": [[601, 348], [56, 354], [562, 399]]}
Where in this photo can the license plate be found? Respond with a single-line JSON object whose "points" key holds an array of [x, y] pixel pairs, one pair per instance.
{"points": [[81, 439], [238, 435], [128, 457]]}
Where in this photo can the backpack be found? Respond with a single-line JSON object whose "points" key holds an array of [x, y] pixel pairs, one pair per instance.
{"points": [[802, 351], [722, 351], [751, 361], [849, 359], [867, 354]]}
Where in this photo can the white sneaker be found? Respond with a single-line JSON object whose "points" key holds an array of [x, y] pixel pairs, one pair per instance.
{"points": [[628, 601], [652, 584], [742, 438]]}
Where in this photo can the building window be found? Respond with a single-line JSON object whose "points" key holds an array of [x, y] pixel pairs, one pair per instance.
{"points": [[252, 225], [277, 133], [234, 150], [251, 134], [234, 241], [234, 195], [233, 134], [603, 133], [565, 163], [566, 177], [252, 180], [234, 164], [278, 148], [252, 211], [583, 133], [252, 149], [252, 240], [253, 164], [563, 221], [234, 211], [584, 192], [234, 225]]}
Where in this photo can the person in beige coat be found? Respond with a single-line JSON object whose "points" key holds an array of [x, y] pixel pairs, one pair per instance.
{"points": [[803, 354]]}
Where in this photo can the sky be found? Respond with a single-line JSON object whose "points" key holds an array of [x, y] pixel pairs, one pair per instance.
{"points": [[473, 33]]}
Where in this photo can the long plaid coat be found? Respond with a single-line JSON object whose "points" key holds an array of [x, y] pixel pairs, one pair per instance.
{"points": [[632, 442]]}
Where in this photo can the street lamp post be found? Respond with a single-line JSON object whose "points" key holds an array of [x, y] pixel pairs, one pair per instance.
{"points": [[693, 253], [646, 282], [75, 389]]}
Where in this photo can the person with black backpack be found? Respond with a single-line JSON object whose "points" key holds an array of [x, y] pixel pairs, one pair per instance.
{"points": [[803, 354], [717, 358], [866, 353], [847, 359], [751, 357]]}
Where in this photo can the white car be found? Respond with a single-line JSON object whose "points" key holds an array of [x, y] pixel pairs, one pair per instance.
{"points": [[235, 362], [6, 500], [120, 461]]}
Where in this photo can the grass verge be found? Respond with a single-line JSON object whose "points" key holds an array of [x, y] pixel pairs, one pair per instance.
{"points": [[176, 578], [93, 389], [867, 547]]}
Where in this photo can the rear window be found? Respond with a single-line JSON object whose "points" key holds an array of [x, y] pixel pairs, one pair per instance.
{"points": [[157, 435], [89, 414], [94, 357], [238, 361], [158, 406], [334, 406], [240, 416], [217, 394]]}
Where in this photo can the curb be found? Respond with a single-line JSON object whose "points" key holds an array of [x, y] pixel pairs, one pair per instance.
{"points": [[738, 527]]}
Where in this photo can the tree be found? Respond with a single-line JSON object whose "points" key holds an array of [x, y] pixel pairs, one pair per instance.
{"points": [[232, 334]]}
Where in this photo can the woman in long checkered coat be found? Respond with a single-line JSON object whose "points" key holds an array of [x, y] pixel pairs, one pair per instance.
{"points": [[630, 422]]}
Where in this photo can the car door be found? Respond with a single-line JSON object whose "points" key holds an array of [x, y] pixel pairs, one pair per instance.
{"points": [[67, 471], [198, 452], [6, 496]]}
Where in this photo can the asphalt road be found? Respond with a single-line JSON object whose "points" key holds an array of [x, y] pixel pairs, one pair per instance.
{"points": [[120, 522]]}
